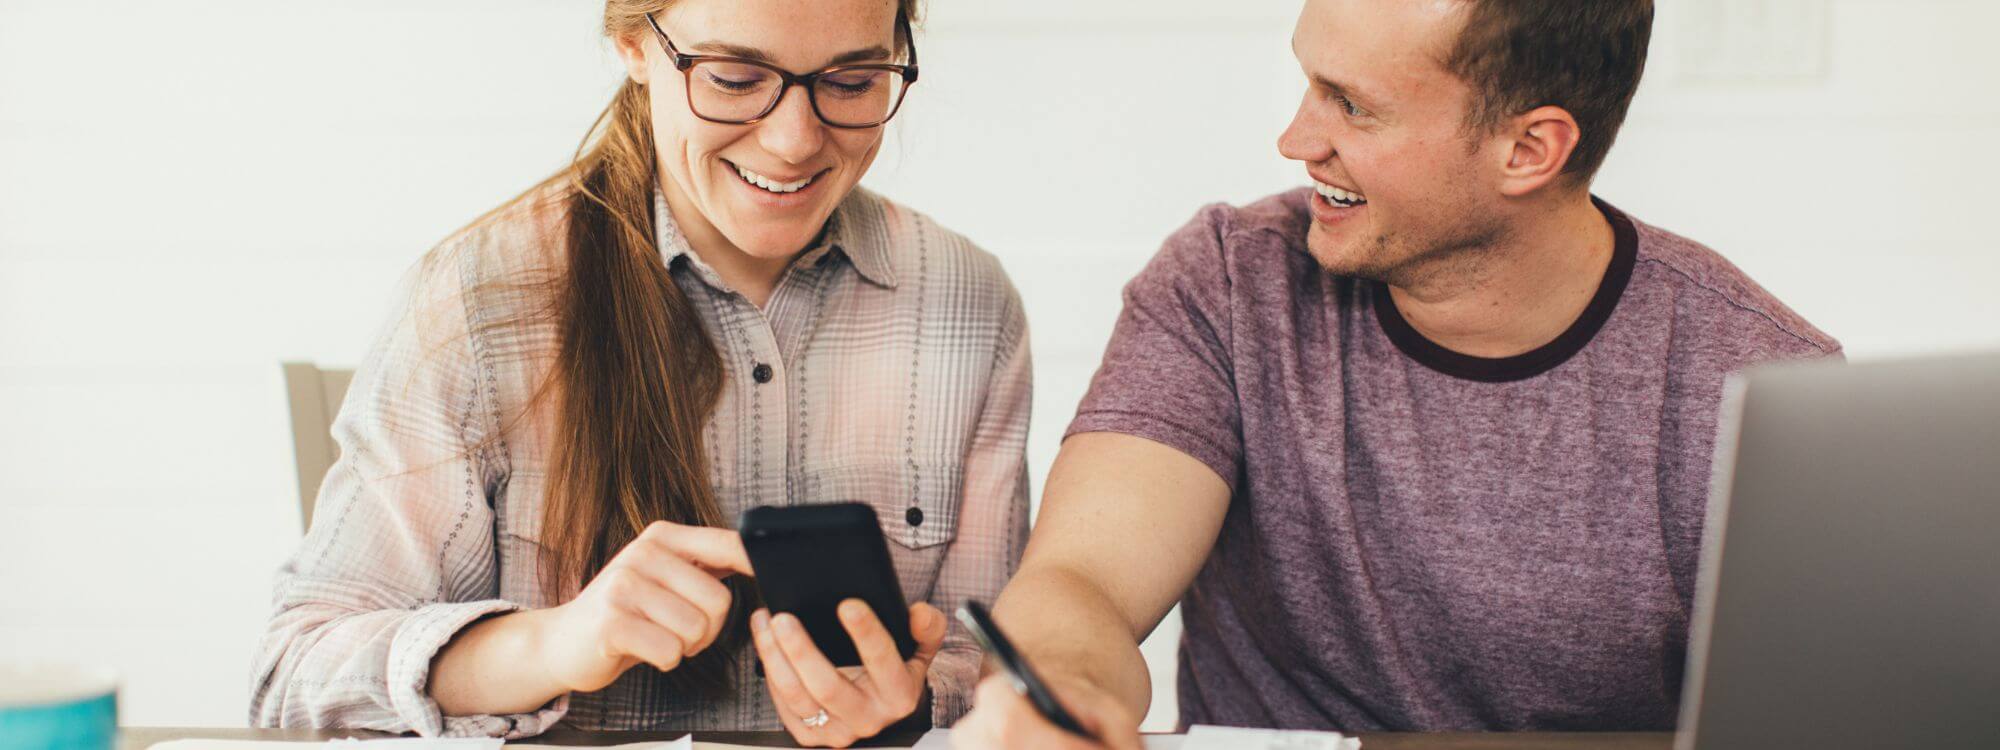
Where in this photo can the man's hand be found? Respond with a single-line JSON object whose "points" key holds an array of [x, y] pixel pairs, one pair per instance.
{"points": [[1002, 718]]}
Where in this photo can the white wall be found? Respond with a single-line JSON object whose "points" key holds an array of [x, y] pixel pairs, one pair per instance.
{"points": [[192, 191]]}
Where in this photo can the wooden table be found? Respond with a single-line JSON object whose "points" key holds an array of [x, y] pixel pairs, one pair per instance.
{"points": [[140, 738]]}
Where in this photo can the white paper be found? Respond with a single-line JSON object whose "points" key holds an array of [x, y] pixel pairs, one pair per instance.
{"points": [[396, 743], [684, 743], [940, 739], [1204, 737], [407, 743]]}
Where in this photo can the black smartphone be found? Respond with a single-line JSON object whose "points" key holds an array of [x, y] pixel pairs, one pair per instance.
{"points": [[810, 558], [1026, 682]]}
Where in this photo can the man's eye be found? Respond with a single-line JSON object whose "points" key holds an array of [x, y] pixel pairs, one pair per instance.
{"points": [[1347, 105]]}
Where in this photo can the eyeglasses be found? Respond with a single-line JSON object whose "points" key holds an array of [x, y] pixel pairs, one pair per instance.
{"points": [[740, 91]]}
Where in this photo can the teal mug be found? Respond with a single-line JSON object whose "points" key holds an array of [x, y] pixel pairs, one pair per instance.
{"points": [[51, 706]]}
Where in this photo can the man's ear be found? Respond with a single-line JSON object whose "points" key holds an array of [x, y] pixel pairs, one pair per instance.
{"points": [[632, 50], [1543, 140]]}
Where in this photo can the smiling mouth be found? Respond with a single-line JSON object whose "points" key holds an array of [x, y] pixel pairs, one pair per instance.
{"points": [[1339, 197], [773, 185]]}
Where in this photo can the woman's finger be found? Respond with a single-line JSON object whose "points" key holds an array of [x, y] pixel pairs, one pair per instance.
{"points": [[794, 704], [655, 560], [838, 733], [714, 549], [642, 639], [834, 692], [927, 626], [787, 692], [820, 736], [801, 735], [884, 664], [648, 599], [700, 590]]}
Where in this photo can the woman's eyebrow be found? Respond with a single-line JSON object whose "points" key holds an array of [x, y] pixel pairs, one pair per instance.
{"points": [[737, 50]]}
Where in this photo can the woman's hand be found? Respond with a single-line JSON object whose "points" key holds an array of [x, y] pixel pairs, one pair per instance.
{"points": [[660, 600], [858, 702]]}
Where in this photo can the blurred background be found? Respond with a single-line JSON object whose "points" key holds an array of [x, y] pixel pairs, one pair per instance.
{"points": [[192, 191]]}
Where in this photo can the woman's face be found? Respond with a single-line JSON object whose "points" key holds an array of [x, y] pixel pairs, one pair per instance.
{"points": [[711, 170]]}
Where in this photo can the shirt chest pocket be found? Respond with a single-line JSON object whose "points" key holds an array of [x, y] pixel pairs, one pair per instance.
{"points": [[916, 502], [519, 506], [517, 513]]}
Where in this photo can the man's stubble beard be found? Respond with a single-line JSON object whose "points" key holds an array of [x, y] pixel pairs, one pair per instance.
{"points": [[1453, 257]]}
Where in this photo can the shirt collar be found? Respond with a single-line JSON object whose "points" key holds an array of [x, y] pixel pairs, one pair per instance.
{"points": [[673, 243], [847, 236]]}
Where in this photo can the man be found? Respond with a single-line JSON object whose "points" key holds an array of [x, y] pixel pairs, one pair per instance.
{"points": [[1426, 447]]}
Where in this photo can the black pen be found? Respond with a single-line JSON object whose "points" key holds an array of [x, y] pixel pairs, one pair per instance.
{"points": [[1026, 682]]}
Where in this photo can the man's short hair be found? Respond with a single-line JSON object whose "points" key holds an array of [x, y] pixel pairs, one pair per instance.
{"points": [[1584, 56]]}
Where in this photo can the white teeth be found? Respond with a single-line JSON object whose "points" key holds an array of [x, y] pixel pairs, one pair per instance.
{"points": [[773, 185], [1338, 196]]}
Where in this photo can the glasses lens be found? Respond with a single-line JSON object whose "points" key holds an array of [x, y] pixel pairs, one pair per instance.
{"points": [[731, 91], [858, 96]]}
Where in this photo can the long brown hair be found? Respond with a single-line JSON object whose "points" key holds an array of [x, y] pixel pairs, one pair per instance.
{"points": [[635, 377]]}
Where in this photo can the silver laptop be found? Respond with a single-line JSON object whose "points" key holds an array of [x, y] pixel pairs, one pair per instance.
{"points": [[1850, 585]]}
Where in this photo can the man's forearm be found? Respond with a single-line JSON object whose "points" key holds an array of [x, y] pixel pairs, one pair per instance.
{"points": [[1125, 524], [1066, 626]]}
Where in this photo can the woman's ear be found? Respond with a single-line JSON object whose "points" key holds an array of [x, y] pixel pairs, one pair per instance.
{"points": [[632, 50]]}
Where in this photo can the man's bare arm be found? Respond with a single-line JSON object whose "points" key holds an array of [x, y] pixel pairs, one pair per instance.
{"points": [[1125, 524]]}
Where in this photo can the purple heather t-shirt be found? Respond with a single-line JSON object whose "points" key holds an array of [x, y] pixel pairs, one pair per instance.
{"points": [[1421, 540]]}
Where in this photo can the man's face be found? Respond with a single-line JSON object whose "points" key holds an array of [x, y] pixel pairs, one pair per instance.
{"points": [[1402, 187]]}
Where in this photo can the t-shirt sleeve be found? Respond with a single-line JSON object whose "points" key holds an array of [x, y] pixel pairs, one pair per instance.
{"points": [[1167, 374]]}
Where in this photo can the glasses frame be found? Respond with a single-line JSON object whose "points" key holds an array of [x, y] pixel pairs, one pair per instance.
{"points": [[685, 63]]}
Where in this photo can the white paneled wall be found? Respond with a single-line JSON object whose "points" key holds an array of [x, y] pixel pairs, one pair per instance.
{"points": [[192, 191]]}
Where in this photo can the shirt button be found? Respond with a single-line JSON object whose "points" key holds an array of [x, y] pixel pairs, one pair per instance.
{"points": [[915, 516], [762, 373]]}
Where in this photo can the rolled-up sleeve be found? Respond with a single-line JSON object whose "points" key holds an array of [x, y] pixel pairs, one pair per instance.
{"points": [[993, 516], [400, 557], [1168, 372]]}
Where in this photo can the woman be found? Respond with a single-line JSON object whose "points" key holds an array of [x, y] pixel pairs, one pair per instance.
{"points": [[541, 457]]}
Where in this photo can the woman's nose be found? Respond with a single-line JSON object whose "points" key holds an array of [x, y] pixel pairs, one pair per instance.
{"points": [[792, 132]]}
